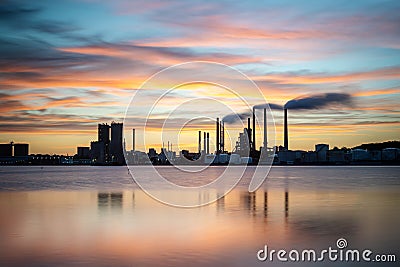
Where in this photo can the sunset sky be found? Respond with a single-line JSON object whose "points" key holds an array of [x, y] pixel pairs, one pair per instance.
{"points": [[66, 66]]}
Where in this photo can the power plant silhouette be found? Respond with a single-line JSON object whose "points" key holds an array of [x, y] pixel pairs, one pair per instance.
{"points": [[110, 146]]}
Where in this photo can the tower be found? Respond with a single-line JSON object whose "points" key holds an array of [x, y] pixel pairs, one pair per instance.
{"points": [[116, 149]]}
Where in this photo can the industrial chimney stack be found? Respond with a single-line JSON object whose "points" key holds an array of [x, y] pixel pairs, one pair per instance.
{"points": [[205, 143], [249, 132], [208, 144], [254, 129], [265, 129], [200, 141], [222, 137], [133, 140], [286, 137], [217, 136]]}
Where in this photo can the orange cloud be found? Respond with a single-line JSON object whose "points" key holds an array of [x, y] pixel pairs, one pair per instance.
{"points": [[378, 92], [164, 55]]}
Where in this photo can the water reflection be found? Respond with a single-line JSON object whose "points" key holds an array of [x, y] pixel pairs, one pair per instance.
{"points": [[286, 204], [63, 227], [220, 203], [265, 204], [249, 202], [253, 201], [103, 199], [115, 202], [110, 201]]}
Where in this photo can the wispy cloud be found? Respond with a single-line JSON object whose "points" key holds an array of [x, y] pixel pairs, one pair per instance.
{"points": [[387, 73]]}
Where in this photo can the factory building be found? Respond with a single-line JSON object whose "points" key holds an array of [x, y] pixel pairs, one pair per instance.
{"points": [[359, 155], [106, 150], [336, 156], [243, 145], [116, 146], [391, 154], [98, 153], [322, 152], [290, 156], [99, 150], [6, 150], [21, 150], [14, 150], [375, 155], [83, 152], [103, 133]]}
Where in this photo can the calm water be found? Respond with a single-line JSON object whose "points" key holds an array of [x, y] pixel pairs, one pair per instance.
{"points": [[96, 216]]}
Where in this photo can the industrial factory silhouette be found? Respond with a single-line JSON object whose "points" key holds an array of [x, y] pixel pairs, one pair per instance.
{"points": [[110, 147]]}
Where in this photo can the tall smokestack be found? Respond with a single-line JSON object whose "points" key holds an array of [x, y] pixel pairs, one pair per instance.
{"points": [[249, 132], [205, 142], [133, 140], [218, 133], [221, 137], [265, 129], [200, 141], [286, 137], [254, 129], [208, 143]]}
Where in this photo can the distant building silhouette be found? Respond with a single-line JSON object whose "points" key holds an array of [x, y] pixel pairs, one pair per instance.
{"points": [[21, 150], [106, 150], [116, 148], [322, 152], [6, 150], [97, 152], [103, 133], [103, 136], [83, 152]]}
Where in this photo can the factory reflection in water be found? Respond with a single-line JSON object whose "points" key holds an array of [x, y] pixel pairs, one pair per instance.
{"points": [[125, 227]]}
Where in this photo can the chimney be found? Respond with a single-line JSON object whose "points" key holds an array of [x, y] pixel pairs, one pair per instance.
{"points": [[208, 143], [265, 129], [218, 133], [254, 129], [249, 132], [286, 137], [199, 141], [222, 137], [133, 140], [205, 142]]}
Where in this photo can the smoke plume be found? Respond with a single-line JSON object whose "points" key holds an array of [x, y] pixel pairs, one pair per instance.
{"points": [[234, 117], [319, 101], [271, 106]]}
